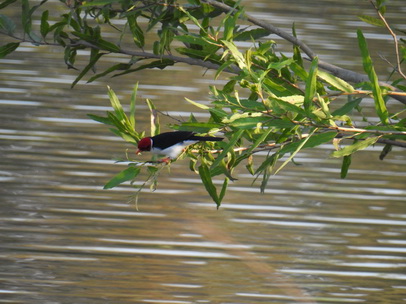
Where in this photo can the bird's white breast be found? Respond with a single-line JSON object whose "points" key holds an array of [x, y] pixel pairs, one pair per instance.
{"points": [[175, 150]]}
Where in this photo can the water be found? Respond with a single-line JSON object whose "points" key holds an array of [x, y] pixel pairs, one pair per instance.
{"points": [[311, 238]]}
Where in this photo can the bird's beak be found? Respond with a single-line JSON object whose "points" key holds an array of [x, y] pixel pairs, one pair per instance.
{"points": [[138, 152]]}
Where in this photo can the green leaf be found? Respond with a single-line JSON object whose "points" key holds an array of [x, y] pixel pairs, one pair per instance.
{"points": [[198, 127], [205, 175], [199, 105], [44, 27], [372, 20], [298, 148], [118, 108], [347, 107], [130, 138], [155, 125], [97, 41], [101, 119], [249, 122], [8, 48], [138, 35], [238, 56], [229, 27], [311, 142], [160, 64], [359, 145], [89, 66], [380, 105], [254, 34], [336, 82], [386, 149], [345, 166], [118, 66], [233, 140], [7, 24], [311, 83], [98, 3], [259, 140], [132, 105], [6, 3], [128, 174], [26, 16], [223, 190], [107, 46]]}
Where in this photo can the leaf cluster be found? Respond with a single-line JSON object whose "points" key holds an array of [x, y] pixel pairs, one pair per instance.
{"points": [[272, 106]]}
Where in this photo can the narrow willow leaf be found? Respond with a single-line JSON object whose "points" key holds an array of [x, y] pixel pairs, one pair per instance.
{"points": [[247, 123], [271, 161], [347, 107], [345, 166], [155, 125], [236, 116], [106, 45], [160, 64], [7, 24], [25, 16], [115, 103], [8, 48], [128, 174], [97, 41], [189, 39], [251, 35], [229, 27], [259, 140], [205, 175], [239, 58], [380, 105], [103, 120], [89, 66], [236, 136], [199, 105], [311, 84], [359, 145], [138, 35], [6, 3], [118, 66], [293, 99], [223, 191], [298, 148], [336, 82], [386, 149], [44, 27], [200, 54], [311, 142], [372, 20], [126, 136], [98, 3], [132, 105], [199, 127]]}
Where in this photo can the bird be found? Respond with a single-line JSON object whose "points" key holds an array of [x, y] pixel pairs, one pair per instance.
{"points": [[171, 144]]}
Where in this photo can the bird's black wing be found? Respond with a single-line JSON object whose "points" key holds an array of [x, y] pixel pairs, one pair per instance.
{"points": [[167, 139]]}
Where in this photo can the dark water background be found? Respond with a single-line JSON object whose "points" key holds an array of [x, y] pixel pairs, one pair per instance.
{"points": [[311, 238]]}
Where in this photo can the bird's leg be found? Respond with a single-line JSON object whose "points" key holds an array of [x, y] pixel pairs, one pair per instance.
{"points": [[166, 160]]}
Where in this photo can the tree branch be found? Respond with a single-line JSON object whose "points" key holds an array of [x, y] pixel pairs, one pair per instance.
{"points": [[342, 73]]}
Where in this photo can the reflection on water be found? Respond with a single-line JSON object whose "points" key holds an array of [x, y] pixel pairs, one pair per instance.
{"points": [[311, 238]]}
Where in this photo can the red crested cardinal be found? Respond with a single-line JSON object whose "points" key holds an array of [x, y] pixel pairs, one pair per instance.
{"points": [[171, 144]]}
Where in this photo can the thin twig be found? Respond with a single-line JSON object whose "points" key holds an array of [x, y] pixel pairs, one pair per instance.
{"points": [[395, 39]]}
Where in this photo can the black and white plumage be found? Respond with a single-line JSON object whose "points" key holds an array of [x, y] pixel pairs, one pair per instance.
{"points": [[171, 144]]}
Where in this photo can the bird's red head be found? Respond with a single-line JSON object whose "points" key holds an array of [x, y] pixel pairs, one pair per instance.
{"points": [[144, 144]]}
